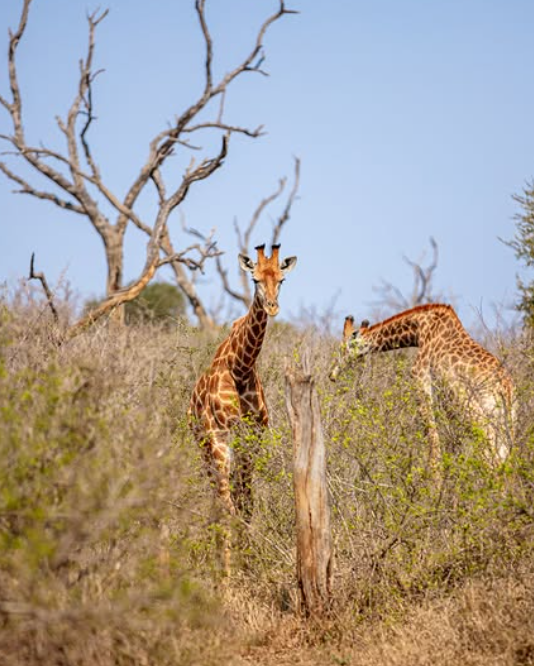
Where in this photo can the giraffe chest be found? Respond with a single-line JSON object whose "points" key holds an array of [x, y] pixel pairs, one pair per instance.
{"points": [[227, 396], [250, 394]]}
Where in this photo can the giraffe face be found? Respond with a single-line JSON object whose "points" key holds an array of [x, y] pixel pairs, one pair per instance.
{"points": [[352, 347], [268, 275]]}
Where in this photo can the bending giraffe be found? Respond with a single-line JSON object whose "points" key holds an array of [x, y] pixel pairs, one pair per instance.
{"points": [[447, 354], [229, 393]]}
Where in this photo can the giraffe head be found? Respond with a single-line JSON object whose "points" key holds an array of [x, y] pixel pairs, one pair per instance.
{"points": [[353, 346], [268, 274]]}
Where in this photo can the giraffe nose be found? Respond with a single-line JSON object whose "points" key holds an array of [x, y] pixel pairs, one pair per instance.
{"points": [[271, 307]]}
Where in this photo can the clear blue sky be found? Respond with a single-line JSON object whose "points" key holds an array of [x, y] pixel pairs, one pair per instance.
{"points": [[412, 119]]}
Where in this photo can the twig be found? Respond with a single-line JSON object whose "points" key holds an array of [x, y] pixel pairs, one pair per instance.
{"points": [[244, 295], [49, 296]]}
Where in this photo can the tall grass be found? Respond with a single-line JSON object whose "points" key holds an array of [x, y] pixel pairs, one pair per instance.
{"points": [[107, 532]]}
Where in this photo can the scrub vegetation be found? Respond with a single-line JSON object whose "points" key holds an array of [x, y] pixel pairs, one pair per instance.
{"points": [[108, 535]]}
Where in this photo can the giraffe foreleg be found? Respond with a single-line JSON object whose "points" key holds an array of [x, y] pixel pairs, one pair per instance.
{"points": [[244, 448], [248, 429], [219, 461], [242, 484], [218, 457]]}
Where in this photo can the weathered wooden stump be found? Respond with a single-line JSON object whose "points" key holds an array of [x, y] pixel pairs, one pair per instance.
{"points": [[314, 549]]}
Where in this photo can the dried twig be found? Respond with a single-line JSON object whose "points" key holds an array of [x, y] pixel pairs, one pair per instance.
{"points": [[49, 296], [289, 204], [422, 290]]}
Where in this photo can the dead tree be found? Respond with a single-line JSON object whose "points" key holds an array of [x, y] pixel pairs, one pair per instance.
{"points": [[314, 548], [75, 178]]}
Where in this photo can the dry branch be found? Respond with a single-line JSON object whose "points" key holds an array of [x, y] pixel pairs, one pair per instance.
{"points": [[422, 288], [48, 293], [114, 301]]}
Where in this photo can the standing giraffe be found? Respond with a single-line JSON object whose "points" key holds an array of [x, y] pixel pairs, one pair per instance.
{"points": [[446, 354], [229, 396]]}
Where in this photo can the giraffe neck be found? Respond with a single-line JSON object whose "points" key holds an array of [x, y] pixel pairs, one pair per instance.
{"points": [[395, 333], [414, 328], [247, 340]]}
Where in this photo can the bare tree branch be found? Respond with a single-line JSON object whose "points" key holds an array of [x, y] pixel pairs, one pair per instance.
{"points": [[244, 244], [289, 205], [116, 299], [202, 171], [244, 295], [88, 101], [423, 276], [162, 145], [49, 296], [14, 107], [422, 289], [33, 156], [26, 188], [75, 172], [229, 128], [208, 251]]}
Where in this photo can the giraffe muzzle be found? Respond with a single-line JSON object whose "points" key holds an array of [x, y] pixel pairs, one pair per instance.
{"points": [[271, 308]]}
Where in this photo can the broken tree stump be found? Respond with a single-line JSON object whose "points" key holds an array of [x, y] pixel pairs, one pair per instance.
{"points": [[314, 549]]}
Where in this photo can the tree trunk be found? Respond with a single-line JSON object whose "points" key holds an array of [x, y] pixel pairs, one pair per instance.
{"points": [[314, 549], [113, 243]]}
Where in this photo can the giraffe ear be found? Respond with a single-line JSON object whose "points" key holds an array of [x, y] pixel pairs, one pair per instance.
{"points": [[288, 264], [246, 263]]}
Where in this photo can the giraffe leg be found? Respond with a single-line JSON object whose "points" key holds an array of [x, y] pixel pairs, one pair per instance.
{"points": [[421, 374], [496, 420], [248, 430], [242, 484], [221, 459], [218, 459], [434, 454]]}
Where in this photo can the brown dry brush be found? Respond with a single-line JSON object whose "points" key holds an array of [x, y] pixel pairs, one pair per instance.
{"points": [[96, 500], [107, 526]]}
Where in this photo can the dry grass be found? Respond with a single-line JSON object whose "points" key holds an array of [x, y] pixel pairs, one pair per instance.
{"points": [[107, 537]]}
